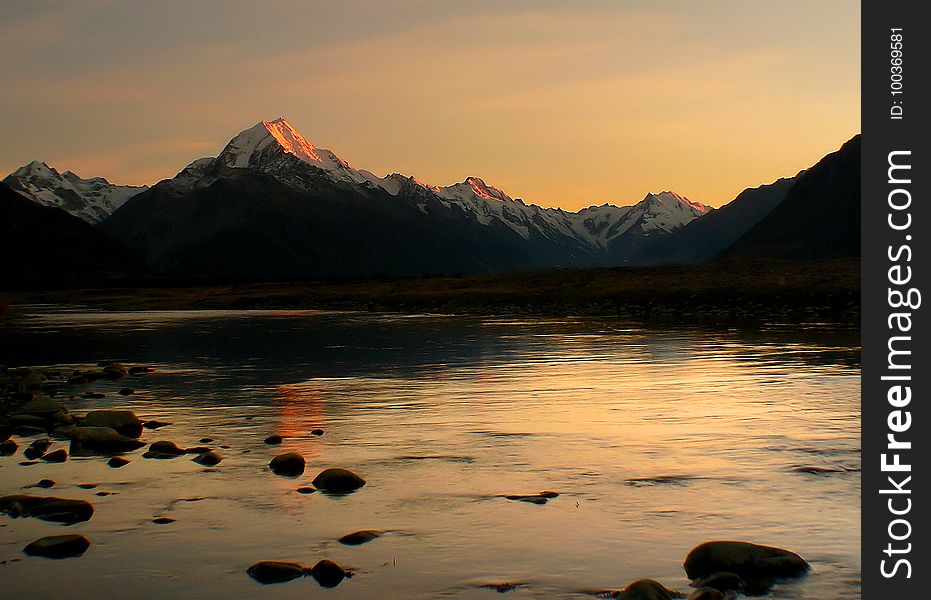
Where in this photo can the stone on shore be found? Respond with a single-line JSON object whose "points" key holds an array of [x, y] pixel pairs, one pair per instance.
{"points": [[290, 464], [208, 459], [124, 422], [645, 589], [58, 546], [270, 571], [56, 456], [358, 538], [97, 440], [707, 594], [748, 561], [337, 480], [57, 510], [164, 449], [8, 447], [327, 573]]}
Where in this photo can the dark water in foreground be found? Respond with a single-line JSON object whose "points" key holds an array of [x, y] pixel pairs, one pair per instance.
{"points": [[657, 440]]}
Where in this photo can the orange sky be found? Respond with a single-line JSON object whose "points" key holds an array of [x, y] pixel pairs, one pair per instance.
{"points": [[562, 104]]}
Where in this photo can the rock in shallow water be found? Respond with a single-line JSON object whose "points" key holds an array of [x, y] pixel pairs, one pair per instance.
{"points": [[208, 459], [270, 571], [57, 456], [723, 582], [117, 461], [8, 447], [748, 561], [289, 465], [274, 440], [164, 449], [58, 546], [328, 574], [337, 480], [97, 440], [645, 589], [124, 422], [707, 594], [57, 510], [357, 538]]}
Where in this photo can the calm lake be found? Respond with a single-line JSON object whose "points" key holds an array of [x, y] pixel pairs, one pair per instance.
{"points": [[655, 439]]}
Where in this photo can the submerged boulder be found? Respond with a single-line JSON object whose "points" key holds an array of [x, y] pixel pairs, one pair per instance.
{"points": [[57, 456], [97, 440], [124, 422], [337, 480], [164, 449], [290, 464], [748, 561], [58, 546], [8, 447], [707, 594], [57, 510], [357, 538], [328, 574], [270, 571], [208, 459], [645, 589]]}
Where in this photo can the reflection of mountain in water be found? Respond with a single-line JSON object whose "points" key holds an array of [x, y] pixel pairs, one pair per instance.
{"points": [[283, 349]]}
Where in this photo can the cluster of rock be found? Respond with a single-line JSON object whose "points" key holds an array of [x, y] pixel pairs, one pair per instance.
{"points": [[722, 569], [28, 408]]}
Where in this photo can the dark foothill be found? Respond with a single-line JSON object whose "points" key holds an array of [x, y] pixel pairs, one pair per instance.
{"points": [[208, 459], [357, 538], [751, 562], [57, 456], [289, 465], [328, 574], [274, 440], [57, 510], [163, 520], [117, 461], [270, 571], [338, 481], [58, 546]]}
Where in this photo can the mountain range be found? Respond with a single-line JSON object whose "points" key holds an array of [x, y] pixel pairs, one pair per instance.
{"points": [[271, 205]]}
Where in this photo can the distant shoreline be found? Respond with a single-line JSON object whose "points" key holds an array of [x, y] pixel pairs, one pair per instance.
{"points": [[726, 292]]}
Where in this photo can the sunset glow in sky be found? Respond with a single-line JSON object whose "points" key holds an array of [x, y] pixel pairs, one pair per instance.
{"points": [[560, 103]]}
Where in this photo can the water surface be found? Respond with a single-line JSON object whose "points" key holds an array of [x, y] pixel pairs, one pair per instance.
{"points": [[655, 439]]}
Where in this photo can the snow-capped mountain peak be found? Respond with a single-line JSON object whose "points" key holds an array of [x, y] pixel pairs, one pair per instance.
{"points": [[92, 200], [266, 143]]}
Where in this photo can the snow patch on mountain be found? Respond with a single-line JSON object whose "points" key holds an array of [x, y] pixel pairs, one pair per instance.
{"points": [[91, 200]]}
